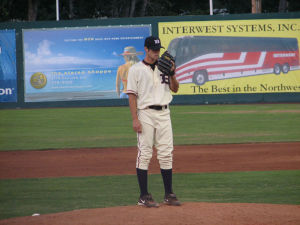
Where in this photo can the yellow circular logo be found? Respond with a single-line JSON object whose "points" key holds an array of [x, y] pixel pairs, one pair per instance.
{"points": [[38, 80]]}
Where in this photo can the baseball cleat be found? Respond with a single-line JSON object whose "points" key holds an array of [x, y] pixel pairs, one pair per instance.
{"points": [[148, 201], [171, 199]]}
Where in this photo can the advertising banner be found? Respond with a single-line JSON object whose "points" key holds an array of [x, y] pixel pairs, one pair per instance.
{"points": [[8, 71], [80, 63], [234, 56]]}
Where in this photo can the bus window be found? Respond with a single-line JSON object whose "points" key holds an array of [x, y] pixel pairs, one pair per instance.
{"points": [[180, 55], [173, 46]]}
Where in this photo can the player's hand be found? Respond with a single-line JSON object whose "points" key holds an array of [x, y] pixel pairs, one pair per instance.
{"points": [[137, 126], [173, 66]]}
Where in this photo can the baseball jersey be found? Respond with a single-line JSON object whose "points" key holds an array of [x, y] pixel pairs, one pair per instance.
{"points": [[150, 87]]}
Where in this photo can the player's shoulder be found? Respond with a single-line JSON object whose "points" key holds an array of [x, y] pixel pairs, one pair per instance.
{"points": [[137, 66]]}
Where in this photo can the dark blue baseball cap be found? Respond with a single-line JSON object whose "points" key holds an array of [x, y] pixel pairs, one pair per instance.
{"points": [[153, 43]]}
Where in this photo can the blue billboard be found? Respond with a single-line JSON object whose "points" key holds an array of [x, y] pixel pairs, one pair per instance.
{"points": [[88, 63], [8, 71]]}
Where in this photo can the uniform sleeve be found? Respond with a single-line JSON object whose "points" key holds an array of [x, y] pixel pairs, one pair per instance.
{"points": [[132, 81]]}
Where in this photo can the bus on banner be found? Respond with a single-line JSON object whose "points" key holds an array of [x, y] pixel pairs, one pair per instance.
{"points": [[205, 58]]}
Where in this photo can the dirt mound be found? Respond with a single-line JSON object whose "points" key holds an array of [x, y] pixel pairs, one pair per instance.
{"points": [[188, 213]]}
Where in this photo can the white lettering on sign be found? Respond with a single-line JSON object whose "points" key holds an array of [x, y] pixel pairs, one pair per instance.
{"points": [[279, 55], [6, 91]]}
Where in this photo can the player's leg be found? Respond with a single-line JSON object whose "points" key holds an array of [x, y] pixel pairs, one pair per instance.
{"points": [[145, 146], [145, 150], [163, 142], [164, 146]]}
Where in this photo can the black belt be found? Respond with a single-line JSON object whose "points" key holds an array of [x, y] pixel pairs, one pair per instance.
{"points": [[158, 107]]}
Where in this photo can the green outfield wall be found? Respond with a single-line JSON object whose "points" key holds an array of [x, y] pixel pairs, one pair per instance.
{"points": [[32, 89]]}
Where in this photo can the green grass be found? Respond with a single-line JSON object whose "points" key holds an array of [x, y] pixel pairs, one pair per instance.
{"points": [[236, 124], [111, 126], [23, 197]]}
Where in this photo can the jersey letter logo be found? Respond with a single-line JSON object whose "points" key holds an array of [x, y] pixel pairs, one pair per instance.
{"points": [[165, 79]]}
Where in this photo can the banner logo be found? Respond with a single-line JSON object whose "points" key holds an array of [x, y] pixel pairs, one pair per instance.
{"points": [[38, 80]]}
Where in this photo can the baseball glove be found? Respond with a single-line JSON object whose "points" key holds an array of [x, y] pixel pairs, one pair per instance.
{"points": [[165, 64]]}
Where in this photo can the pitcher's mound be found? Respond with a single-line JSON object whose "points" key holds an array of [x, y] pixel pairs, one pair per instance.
{"points": [[188, 213]]}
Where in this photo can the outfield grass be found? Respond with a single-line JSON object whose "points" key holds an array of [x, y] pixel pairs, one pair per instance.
{"points": [[111, 126], [23, 197]]}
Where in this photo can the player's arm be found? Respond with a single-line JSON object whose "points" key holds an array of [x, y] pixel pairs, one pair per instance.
{"points": [[136, 125], [174, 84], [166, 64]]}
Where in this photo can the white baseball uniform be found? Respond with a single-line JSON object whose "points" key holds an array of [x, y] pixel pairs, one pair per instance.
{"points": [[152, 89]]}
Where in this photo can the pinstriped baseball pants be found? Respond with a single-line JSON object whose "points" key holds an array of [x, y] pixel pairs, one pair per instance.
{"points": [[156, 132]]}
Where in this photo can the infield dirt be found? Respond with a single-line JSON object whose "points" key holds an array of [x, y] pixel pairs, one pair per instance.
{"points": [[188, 159]]}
